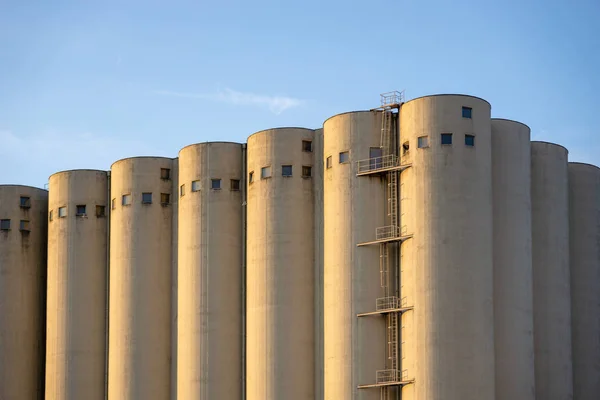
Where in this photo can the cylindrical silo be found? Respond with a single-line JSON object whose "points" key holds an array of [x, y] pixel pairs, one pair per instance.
{"points": [[317, 173], [23, 243], [354, 207], [210, 272], [513, 286], [77, 267], [280, 265], [447, 265], [584, 237], [551, 277], [141, 219]]}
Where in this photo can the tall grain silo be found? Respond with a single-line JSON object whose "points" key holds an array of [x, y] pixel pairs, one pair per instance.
{"points": [[513, 286], [551, 277], [317, 176], [280, 265], [140, 283], [210, 266], [23, 243], [584, 237], [353, 208], [77, 285], [447, 265]]}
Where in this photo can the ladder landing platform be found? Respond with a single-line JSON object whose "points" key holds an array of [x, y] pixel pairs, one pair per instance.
{"points": [[386, 240], [385, 384], [387, 311]]}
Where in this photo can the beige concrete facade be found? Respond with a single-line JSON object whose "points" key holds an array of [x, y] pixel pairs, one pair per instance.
{"points": [[446, 268], [210, 266], [280, 266], [353, 207], [513, 275], [141, 263], [551, 277], [22, 291], [318, 165], [77, 286], [584, 206]]}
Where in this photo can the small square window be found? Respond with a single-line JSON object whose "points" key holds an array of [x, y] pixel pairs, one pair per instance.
{"points": [[146, 198], [234, 185], [51, 215], [126, 200], [165, 199], [195, 186], [405, 147], [62, 212], [24, 225], [100, 211], [215, 184], [307, 146], [182, 190], [306, 171], [113, 204], [344, 157], [467, 112], [165, 173], [286, 170], [446, 138], [80, 211], [328, 162], [5, 224], [251, 177], [25, 202], [422, 142], [265, 172], [470, 140]]}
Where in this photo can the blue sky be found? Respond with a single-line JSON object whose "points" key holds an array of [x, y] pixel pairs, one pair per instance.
{"points": [[83, 84]]}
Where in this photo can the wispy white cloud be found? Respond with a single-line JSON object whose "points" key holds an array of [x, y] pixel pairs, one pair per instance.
{"points": [[275, 104]]}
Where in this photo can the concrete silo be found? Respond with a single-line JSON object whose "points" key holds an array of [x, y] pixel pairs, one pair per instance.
{"points": [[23, 241], [77, 278], [584, 237], [551, 278], [353, 208], [447, 265], [317, 176], [280, 265], [141, 262], [513, 286], [211, 187]]}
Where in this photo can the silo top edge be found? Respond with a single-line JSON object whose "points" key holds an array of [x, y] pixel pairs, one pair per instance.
{"points": [[78, 170], [346, 112], [208, 142], [142, 157], [280, 128], [584, 164], [550, 143], [450, 94], [22, 186], [512, 120]]}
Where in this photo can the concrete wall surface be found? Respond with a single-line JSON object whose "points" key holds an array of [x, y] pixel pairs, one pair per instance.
{"points": [[584, 237], [77, 285], [22, 291]]}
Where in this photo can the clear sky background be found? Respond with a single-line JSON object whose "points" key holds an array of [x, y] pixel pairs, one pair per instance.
{"points": [[85, 83]]}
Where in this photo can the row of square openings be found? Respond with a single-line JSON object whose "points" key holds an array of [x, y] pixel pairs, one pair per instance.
{"points": [[80, 211], [147, 198], [23, 225], [215, 184], [287, 171]]}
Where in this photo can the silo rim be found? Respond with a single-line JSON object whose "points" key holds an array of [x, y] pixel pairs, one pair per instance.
{"points": [[23, 186], [279, 128], [346, 112], [553, 144], [208, 142], [138, 157], [512, 120], [77, 170], [450, 94], [584, 164]]}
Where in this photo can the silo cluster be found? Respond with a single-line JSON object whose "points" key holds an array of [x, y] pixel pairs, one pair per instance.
{"points": [[420, 250]]}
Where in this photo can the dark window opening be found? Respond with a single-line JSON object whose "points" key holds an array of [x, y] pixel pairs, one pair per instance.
{"points": [[146, 198], [405, 147], [215, 184], [307, 146], [80, 210], [25, 202], [446, 138], [344, 157], [182, 190], [165, 173], [306, 171], [100, 211], [113, 203], [251, 177], [24, 225], [165, 199], [470, 140], [328, 163], [50, 215], [5, 224], [467, 112], [234, 185], [286, 170], [375, 157]]}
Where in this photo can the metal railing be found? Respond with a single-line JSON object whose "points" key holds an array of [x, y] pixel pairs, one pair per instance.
{"points": [[387, 232], [390, 98], [388, 375], [387, 303], [377, 163]]}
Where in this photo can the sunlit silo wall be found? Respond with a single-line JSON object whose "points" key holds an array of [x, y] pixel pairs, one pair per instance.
{"points": [[280, 265], [141, 263], [584, 206], [551, 278], [77, 271], [210, 271], [353, 208], [447, 266], [23, 235], [318, 232], [513, 297]]}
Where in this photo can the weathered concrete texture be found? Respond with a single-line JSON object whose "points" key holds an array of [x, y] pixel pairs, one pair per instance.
{"points": [[22, 293], [551, 281], [141, 261], [584, 237], [513, 286], [447, 267], [353, 208], [318, 226], [210, 273], [280, 268], [77, 266]]}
